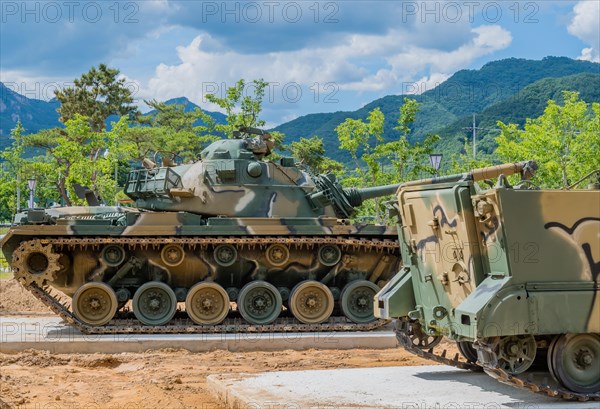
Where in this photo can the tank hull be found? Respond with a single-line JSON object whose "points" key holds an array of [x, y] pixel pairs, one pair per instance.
{"points": [[126, 249]]}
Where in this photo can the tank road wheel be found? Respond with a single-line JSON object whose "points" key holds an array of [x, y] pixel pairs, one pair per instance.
{"points": [[207, 303], [113, 255], [466, 349], [311, 302], [516, 353], [277, 255], [357, 301], [95, 303], [225, 255], [172, 255], [34, 262], [259, 302], [154, 303], [576, 362]]}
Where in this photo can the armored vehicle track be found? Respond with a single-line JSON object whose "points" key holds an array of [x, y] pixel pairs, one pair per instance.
{"points": [[412, 338], [110, 280]]}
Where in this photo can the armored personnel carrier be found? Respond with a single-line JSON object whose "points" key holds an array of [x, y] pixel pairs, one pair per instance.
{"points": [[232, 242], [509, 273]]}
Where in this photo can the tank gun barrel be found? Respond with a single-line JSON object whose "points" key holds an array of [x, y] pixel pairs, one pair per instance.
{"points": [[526, 169], [344, 201], [357, 196]]}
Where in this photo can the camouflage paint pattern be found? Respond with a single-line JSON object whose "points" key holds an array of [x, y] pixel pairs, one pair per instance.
{"points": [[503, 261], [276, 221], [233, 180]]}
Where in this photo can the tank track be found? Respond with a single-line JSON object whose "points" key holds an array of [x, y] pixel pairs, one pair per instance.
{"points": [[493, 370], [186, 326]]}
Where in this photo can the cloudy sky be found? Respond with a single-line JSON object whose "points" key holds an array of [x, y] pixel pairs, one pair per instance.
{"points": [[317, 55]]}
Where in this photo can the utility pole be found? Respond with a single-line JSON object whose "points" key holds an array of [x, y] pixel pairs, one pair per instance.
{"points": [[474, 129], [474, 138]]}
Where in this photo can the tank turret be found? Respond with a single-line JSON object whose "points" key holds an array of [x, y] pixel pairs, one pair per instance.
{"points": [[233, 179]]}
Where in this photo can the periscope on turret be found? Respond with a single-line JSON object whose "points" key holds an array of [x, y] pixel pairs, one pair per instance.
{"points": [[231, 241]]}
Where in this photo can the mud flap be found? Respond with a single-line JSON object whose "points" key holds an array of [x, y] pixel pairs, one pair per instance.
{"points": [[397, 298]]}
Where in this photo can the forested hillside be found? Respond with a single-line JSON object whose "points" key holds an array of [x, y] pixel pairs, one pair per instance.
{"points": [[508, 90], [500, 90]]}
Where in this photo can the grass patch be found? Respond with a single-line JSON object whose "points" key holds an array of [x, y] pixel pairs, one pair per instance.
{"points": [[6, 276], [3, 230]]}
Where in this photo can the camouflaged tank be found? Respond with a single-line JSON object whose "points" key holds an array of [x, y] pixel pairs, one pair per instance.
{"points": [[231, 227], [510, 273]]}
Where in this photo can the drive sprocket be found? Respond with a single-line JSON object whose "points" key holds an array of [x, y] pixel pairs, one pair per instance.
{"points": [[35, 262]]}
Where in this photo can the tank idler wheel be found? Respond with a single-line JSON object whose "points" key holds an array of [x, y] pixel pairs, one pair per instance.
{"points": [[410, 334], [516, 353], [259, 302], [35, 263], [277, 255], [311, 302], [95, 303], [154, 303], [113, 255], [467, 350], [207, 303], [574, 361], [172, 255], [357, 301], [225, 255]]}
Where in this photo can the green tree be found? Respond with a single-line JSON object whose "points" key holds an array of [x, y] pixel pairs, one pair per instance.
{"points": [[77, 154], [464, 162], [365, 143], [564, 140], [311, 153], [241, 107], [172, 132], [97, 94], [363, 140], [11, 173], [409, 161]]}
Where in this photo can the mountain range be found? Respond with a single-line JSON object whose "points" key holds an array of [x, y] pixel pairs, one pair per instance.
{"points": [[509, 90], [36, 115]]}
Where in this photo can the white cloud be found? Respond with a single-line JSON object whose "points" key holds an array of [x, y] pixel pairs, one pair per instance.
{"points": [[360, 62], [585, 25]]}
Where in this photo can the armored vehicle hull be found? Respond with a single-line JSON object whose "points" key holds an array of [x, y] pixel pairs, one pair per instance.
{"points": [[511, 274], [324, 273], [229, 243]]}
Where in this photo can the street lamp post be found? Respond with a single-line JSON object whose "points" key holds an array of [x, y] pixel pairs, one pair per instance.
{"points": [[31, 184], [435, 159]]}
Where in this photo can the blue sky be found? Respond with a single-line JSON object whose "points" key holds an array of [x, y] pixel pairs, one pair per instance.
{"points": [[318, 56]]}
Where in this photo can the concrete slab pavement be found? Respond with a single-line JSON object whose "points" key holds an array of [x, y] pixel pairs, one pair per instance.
{"points": [[52, 334], [417, 387]]}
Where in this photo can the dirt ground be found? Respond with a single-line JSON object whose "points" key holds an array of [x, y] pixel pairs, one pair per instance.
{"points": [[15, 300], [153, 379]]}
